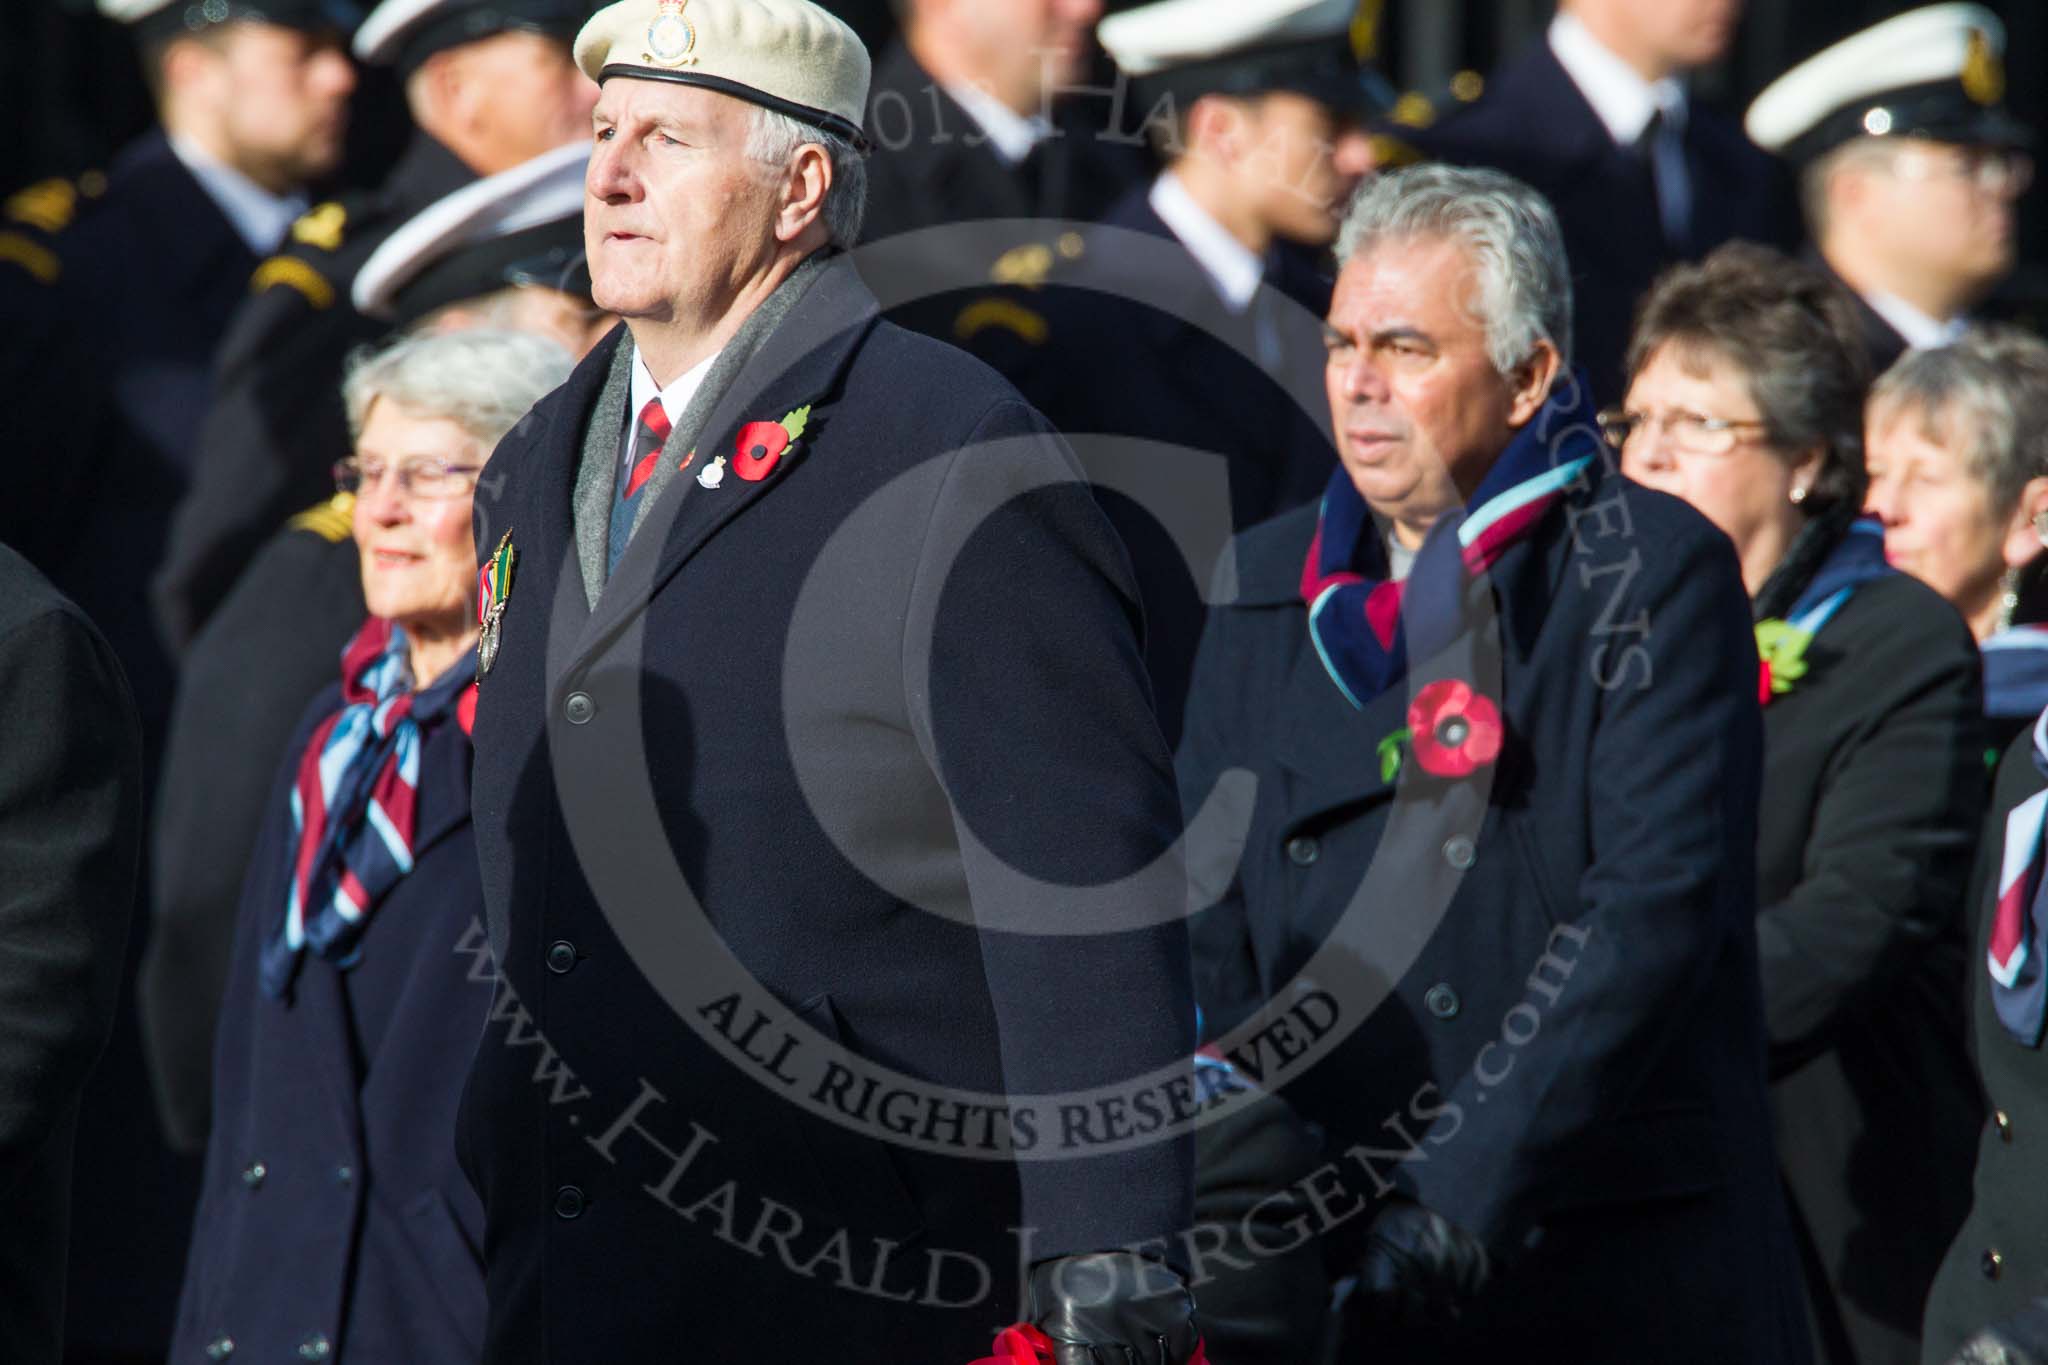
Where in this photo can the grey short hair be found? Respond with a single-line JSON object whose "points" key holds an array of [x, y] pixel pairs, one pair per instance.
{"points": [[775, 139], [482, 379], [1509, 231], [1988, 395]]}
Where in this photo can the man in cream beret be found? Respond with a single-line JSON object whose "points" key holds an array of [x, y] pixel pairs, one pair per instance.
{"points": [[810, 694]]}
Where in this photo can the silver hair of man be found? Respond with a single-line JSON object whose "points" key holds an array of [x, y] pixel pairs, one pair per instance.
{"points": [[1987, 392], [1508, 231], [775, 139], [483, 379]]}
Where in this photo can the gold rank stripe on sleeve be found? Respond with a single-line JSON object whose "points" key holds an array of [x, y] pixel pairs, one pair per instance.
{"points": [[997, 312], [332, 520], [32, 256], [48, 204], [293, 273]]}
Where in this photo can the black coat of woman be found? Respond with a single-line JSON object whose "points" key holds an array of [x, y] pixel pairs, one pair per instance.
{"points": [[1873, 784]]}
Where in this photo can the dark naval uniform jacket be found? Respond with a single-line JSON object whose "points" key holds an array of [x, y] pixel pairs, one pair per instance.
{"points": [[1882, 342], [1534, 123], [276, 425], [334, 1223], [933, 167], [70, 829], [801, 798], [149, 274], [242, 688], [1546, 974], [1998, 1264], [1139, 345]]}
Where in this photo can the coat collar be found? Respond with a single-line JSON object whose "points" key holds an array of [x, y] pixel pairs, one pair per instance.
{"points": [[800, 364], [1573, 133]]}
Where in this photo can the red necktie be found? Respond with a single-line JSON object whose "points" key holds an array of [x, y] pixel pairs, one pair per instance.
{"points": [[650, 434]]}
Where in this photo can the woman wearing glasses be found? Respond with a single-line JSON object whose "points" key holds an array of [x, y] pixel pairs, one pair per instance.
{"points": [[334, 1222], [1746, 399], [1958, 454]]}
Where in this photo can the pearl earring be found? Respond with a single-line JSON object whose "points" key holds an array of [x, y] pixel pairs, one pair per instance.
{"points": [[1799, 496]]}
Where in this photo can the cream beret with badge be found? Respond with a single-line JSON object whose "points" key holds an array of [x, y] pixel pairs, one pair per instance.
{"points": [[787, 55]]}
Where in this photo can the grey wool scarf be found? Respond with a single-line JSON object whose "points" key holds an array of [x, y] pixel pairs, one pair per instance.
{"points": [[599, 542]]}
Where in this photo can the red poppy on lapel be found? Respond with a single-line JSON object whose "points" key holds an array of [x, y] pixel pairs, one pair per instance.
{"points": [[1453, 729], [761, 445], [1023, 1344]]}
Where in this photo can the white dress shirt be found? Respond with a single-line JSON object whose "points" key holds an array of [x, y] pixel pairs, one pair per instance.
{"points": [[1625, 104], [1234, 268], [258, 217], [1919, 330], [1009, 132], [1624, 101]]}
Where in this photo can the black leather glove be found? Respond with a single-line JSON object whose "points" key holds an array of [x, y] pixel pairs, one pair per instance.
{"points": [[1114, 1308], [1418, 1269]]}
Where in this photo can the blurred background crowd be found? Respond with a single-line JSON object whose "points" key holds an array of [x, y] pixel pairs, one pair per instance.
{"points": [[196, 325]]}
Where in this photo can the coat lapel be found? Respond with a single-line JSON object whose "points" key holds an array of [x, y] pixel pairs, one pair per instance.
{"points": [[799, 365], [1329, 745], [443, 787], [555, 539]]}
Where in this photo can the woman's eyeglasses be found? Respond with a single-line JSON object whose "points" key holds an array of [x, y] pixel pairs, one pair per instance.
{"points": [[417, 478], [1690, 433]]}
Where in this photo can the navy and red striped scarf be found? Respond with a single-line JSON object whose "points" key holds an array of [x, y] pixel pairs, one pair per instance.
{"points": [[355, 803], [1366, 625]]}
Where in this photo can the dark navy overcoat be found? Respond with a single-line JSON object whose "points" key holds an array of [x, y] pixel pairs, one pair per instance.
{"points": [[833, 770], [1544, 974], [335, 1223]]}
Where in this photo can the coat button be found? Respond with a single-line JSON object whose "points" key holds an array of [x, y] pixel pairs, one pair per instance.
{"points": [[1441, 1001], [344, 1175], [561, 957], [579, 708], [1992, 1264], [2004, 1123], [316, 1346], [253, 1173], [220, 1348], [1303, 850], [569, 1202], [1460, 852]]}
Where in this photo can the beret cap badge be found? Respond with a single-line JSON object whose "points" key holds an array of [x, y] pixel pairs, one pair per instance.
{"points": [[671, 39]]}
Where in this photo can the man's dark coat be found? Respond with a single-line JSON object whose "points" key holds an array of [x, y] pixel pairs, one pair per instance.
{"points": [[1548, 970], [798, 740]]}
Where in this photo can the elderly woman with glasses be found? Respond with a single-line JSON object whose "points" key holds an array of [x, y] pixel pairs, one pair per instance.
{"points": [[1746, 399], [334, 1222], [1958, 454]]}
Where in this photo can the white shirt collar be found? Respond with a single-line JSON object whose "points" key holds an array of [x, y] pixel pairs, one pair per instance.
{"points": [[1231, 266], [1916, 327], [674, 399], [1618, 93], [1009, 132], [259, 217]]}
